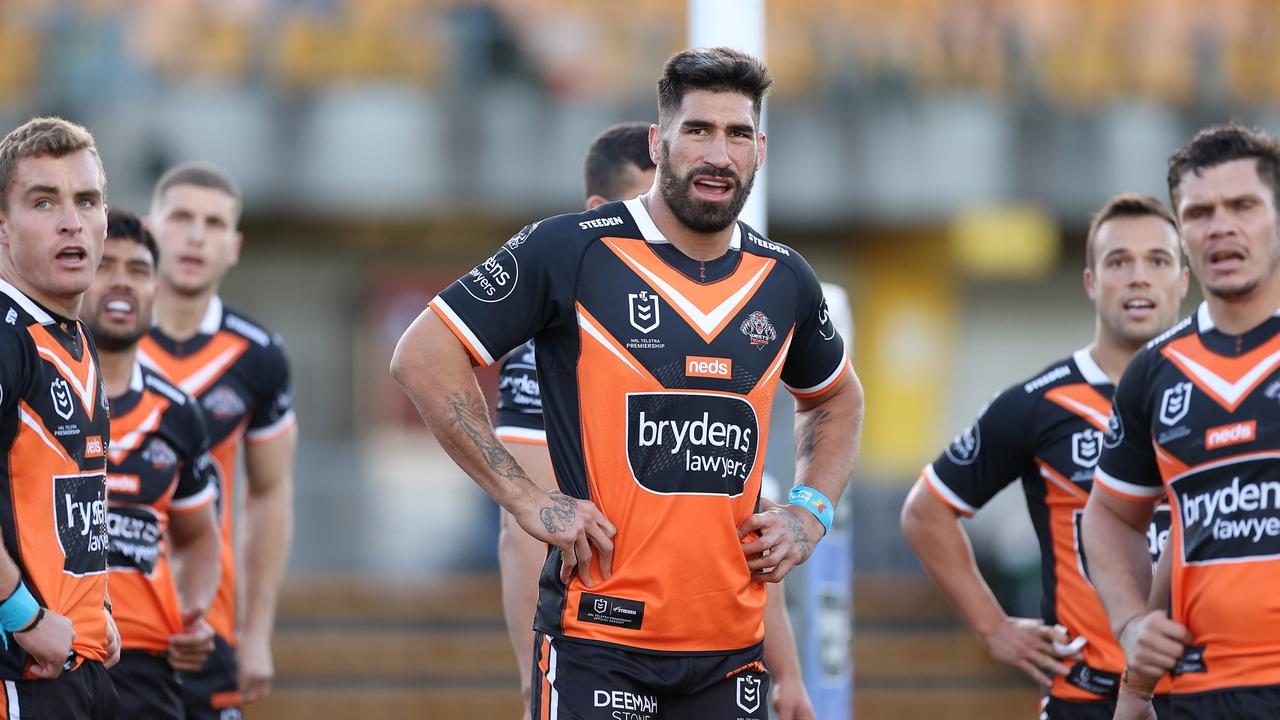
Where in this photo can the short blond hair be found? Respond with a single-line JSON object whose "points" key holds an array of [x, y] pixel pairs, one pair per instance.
{"points": [[42, 137]]}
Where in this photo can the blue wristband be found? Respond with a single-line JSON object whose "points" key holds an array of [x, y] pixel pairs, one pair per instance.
{"points": [[815, 502], [19, 610]]}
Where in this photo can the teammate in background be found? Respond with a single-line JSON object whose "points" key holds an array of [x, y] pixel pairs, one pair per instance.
{"points": [[238, 373], [161, 483], [1194, 419], [1048, 432], [671, 323], [617, 167], [56, 632]]}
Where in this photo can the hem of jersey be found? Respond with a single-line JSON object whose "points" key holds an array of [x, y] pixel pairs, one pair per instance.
{"points": [[1126, 490], [525, 436], [275, 429], [461, 331], [563, 638], [1221, 690], [944, 493], [825, 385], [193, 502]]}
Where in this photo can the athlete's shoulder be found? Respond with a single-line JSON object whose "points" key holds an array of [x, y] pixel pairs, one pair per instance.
{"points": [[1182, 328], [17, 312], [155, 381], [755, 243], [610, 219], [236, 322], [1062, 372]]}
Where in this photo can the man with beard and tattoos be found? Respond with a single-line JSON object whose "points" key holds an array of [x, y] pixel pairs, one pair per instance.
{"points": [[662, 326], [162, 484]]}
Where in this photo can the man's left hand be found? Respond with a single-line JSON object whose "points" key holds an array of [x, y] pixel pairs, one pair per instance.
{"points": [[786, 537], [256, 671]]}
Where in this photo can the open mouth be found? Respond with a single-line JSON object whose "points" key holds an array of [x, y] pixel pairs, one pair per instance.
{"points": [[1225, 257], [120, 308], [72, 255], [713, 188]]}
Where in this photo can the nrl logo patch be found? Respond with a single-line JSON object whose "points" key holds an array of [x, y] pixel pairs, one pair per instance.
{"points": [[642, 311], [1086, 447], [1175, 403]]}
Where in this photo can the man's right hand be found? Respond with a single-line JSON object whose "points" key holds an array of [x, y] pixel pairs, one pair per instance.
{"points": [[48, 643], [1027, 644], [1153, 643], [574, 526]]}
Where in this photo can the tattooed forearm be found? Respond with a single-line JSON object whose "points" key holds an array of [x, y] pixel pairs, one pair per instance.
{"points": [[560, 513], [810, 433], [473, 422]]}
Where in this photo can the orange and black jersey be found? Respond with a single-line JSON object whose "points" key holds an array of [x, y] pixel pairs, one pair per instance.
{"points": [[1048, 432], [520, 399], [158, 465], [657, 375], [1196, 421], [54, 432], [239, 376]]}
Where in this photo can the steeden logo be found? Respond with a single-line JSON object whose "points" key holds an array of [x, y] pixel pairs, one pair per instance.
{"points": [[1232, 434], [708, 367]]}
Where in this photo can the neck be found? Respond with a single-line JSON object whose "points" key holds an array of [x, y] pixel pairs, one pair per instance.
{"points": [[1240, 315], [69, 308], [117, 369], [1112, 353], [179, 315], [699, 246]]}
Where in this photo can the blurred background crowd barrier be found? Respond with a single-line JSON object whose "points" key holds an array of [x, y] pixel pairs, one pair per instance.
{"points": [[937, 158]]}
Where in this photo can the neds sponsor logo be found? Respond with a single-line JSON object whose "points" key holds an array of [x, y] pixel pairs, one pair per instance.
{"points": [[708, 367], [1232, 434], [691, 442]]}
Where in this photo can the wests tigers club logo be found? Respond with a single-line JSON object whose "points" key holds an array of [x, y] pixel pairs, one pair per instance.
{"points": [[758, 329]]}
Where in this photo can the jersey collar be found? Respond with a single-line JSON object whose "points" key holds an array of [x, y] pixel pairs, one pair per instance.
{"points": [[135, 382], [1204, 321], [212, 321], [653, 235], [30, 306], [1089, 367]]}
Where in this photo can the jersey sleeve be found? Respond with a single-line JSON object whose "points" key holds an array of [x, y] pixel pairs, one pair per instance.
{"points": [[520, 290], [273, 408], [816, 360], [198, 477], [520, 399], [986, 456], [1127, 466], [13, 369]]}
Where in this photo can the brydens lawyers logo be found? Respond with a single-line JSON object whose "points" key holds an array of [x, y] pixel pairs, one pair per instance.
{"points": [[1175, 403], [749, 693], [708, 367], [642, 310], [1231, 434], [758, 328]]}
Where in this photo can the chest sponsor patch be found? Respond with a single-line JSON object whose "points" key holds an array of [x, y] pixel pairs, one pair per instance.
{"points": [[1231, 434], [80, 511], [1229, 513], [135, 534], [609, 610], [686, 442]]}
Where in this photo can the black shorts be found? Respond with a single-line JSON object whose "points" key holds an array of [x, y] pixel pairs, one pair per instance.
{"points": [[583, 681], [147, 685], [1058, 709], [85, 693], [1249, 703], [213, 692]]}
